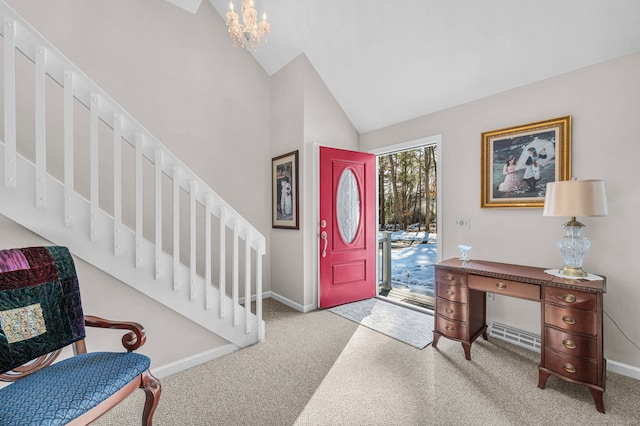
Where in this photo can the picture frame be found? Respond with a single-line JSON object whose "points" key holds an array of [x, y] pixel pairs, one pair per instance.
{"points": [[284, 191], [518, 162]]}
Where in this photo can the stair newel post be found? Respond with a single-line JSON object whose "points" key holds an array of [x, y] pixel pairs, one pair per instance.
{"points": [[259, 253], [158, 210], [234, 272], [222, 277], [117, 184], [69, 213], [207, 251], [176, 227], [41, 128], [10, 170], [94, 162], [247, 280], [193, 187]]}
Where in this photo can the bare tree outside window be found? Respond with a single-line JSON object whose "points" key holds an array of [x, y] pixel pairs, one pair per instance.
{"points": [[408, 189]]}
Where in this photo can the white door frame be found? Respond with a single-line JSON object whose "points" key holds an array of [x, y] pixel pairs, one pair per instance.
{"points": [[405, 146]]}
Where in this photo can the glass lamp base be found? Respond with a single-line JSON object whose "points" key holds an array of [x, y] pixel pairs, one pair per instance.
{"points": [[573, 247], [572, 271]]}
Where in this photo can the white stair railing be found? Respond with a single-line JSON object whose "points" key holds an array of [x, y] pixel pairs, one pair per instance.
{"points": [[179, 271]]}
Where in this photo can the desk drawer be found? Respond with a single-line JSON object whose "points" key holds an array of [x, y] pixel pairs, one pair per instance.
{"points": [[451, 310], [505, 287], [452, 329], [571, 367], [454, 293], [573, 320], [570, 298], [450, 277], [571, 344]]}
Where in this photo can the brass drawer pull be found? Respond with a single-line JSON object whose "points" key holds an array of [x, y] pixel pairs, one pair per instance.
{"points": [[568, 320], [569, 368], [569, 298], [451, 292], [449, 277], [450, 328], [501, 286], [449, 310], [569, 344]]}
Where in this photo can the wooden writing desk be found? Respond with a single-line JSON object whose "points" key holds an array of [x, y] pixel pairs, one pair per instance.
{"points": [[570, 322]]}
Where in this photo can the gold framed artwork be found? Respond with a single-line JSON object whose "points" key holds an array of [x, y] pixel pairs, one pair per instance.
{"points": [[284, 191], [518, 162]]}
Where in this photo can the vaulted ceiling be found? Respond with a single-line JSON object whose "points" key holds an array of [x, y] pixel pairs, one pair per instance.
{"points": [[389, 61]]}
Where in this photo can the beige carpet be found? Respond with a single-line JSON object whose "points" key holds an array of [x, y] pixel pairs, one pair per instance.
{"points": [[321, 369]]}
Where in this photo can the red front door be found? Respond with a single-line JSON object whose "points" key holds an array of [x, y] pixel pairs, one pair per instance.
{"points": [[347, 227]]}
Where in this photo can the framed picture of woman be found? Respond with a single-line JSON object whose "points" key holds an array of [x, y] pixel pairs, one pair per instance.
{"points": [[284, 191], [518, 162]]}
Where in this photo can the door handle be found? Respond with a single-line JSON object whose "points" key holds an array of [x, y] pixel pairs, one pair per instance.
{"points": [[323, 235]]}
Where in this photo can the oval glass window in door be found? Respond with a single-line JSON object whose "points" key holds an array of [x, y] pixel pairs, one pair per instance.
{"points": [[348, 206]]}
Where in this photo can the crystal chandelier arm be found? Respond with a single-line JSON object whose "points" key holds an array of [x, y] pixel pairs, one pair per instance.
{"points": [[250, 33]]}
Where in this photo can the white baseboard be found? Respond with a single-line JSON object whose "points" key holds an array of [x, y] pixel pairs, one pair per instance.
{"points": [[624, 369], [290, 303], [253, 297], [192, 361]]}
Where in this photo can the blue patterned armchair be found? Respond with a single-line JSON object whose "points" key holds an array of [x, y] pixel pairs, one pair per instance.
{"points": [[40, 314]]}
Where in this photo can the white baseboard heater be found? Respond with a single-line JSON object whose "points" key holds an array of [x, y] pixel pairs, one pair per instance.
{"points": [[515, 336]]}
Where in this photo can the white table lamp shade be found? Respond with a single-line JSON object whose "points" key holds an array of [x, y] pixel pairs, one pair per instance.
{"points": [[576, 198]]}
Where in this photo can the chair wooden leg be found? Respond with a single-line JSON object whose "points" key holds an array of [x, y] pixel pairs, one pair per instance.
{"points": [[152, 388]]}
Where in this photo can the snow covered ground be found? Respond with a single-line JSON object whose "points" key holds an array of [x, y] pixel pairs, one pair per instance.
{"points": [[412, 265]]}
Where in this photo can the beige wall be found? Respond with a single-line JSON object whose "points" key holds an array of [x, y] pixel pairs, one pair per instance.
{"points": [[604, 101], [287, 135], [304, 115]]}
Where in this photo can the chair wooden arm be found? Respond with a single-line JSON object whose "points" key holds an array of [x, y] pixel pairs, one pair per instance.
{"points": [[131, 341]]}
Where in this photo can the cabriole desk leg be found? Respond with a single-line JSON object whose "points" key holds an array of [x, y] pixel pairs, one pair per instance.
{"points": [[436, 337], [598, 399], [542, 378], [598, 395], [467, 350]]}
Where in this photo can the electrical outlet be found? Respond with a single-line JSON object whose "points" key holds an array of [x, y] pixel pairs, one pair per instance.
{"points": [[462, 223]]}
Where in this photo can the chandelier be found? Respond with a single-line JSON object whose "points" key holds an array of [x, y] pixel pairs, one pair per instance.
{"points": [[251, 33]]}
